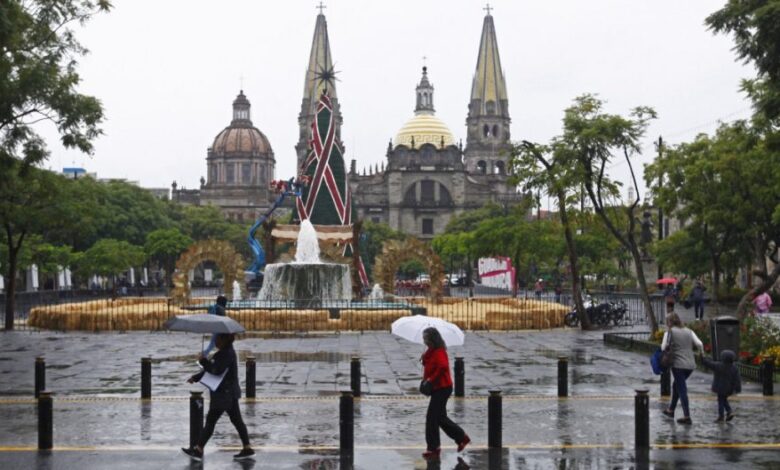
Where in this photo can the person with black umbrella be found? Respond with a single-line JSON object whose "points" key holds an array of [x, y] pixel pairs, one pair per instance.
{"points": [[224, 398]]}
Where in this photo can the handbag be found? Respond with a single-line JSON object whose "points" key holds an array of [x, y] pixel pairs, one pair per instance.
{"points": [[655, 362], [426, 388], [667, 358]]}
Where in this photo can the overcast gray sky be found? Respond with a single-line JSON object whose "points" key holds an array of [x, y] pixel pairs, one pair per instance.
{"points": [[168, 70]]}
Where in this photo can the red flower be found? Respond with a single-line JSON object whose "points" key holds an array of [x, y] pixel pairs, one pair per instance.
{"points": [[707, 347], [744, 354]]}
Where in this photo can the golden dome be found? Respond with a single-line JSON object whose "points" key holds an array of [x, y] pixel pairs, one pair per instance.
{"points": [[240, 140], [425, 128]]}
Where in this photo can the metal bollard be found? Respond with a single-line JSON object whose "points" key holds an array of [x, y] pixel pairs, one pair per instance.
{"points": [[40, 375], [494, 419], [642, 419], [460, 377], [768, 377], [45, 421], [251, 377], [346, 426], [146, 377], [196, 417], [563, 376], [355, 376], [666, 383]]}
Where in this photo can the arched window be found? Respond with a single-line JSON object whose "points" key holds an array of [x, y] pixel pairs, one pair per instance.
{"points": [[500, 168], [482, 167], [486, 130], [495, 130]]}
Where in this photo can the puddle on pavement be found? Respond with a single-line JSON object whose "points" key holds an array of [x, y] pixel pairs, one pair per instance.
{"points": [[273, 357], [575, 355]]}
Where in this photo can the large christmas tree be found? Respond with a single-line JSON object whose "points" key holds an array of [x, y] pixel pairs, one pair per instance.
{"points": [[327, 200]]}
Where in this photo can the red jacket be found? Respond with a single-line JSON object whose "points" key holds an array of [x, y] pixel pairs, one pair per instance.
{"points": [[437, 368]]}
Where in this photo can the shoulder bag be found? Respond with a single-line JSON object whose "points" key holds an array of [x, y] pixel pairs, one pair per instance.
{"points": [[667, 358]]}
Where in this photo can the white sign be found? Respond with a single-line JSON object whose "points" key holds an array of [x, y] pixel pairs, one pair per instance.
{"points": [[208, 275], [497, 272]]}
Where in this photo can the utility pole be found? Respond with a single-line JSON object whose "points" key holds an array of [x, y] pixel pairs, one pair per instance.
{"points": [[660, 212]]}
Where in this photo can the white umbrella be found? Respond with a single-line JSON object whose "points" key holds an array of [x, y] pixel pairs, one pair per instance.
{"points": [[411, 329], [204, 323]]}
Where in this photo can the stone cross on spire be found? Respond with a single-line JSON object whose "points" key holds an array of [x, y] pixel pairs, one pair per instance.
{"points": [[321, 7], [488, 8]]}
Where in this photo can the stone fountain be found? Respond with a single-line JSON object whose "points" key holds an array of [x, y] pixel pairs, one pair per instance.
{"points": [[307, 281]]}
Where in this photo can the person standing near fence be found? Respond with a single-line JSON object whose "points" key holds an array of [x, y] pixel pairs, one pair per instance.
{"points": [[436, 370], [682, 342], [216, 309]]}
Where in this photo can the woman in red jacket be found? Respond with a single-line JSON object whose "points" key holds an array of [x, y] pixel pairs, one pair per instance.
{"points": [[437, 371]]}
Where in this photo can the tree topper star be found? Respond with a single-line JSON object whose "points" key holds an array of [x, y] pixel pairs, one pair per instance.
{"points": [[326, 76]]}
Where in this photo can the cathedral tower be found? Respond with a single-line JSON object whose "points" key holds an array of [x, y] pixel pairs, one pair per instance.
{"points": [[487, 140], [319, 74]]}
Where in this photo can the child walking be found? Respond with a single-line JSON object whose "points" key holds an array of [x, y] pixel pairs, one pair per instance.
{"points": [[725, 382]]}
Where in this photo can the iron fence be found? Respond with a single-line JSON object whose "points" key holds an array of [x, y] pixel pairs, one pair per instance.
{"points": [[147, 309]]}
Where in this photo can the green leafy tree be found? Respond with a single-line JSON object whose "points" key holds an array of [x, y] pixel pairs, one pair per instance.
{"points": [[374, 236], [727, 185], [38, 78], [754, 26], [164, 246], [549, 168], [110, 258], [27, 202], [38, 82], [592, 138]]}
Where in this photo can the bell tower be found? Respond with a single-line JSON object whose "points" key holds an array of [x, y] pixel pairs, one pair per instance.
{"points": [[488, 139]]}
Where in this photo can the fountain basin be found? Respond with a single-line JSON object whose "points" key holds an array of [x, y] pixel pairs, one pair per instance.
{"points": [[307, 284]]}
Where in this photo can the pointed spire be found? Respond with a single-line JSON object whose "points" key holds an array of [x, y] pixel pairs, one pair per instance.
{"points": [[489, 85], [320, 63], [424, 95]]}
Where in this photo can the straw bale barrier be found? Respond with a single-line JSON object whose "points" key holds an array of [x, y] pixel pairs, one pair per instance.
{"points": [[149, 313]]}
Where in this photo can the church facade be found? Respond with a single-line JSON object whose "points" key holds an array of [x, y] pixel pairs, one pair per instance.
{"points": [[426, 177]]}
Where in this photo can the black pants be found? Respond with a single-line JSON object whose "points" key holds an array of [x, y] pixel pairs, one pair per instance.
{"points": [[698, 309], [215, 411], [437, 418]]}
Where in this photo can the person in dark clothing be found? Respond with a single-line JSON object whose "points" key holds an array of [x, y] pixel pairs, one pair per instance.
{"points": [[224, 399], [436, 370], [697, 297], [725, 382], [220, 309]]}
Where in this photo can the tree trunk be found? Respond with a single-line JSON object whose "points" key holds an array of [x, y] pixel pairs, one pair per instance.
{"points": [[575, 272], [640, 274], [10, 289], [716, 287]]}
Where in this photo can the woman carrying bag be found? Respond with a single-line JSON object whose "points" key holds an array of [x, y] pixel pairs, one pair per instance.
{"points": [[436, 372], [681, 342]]}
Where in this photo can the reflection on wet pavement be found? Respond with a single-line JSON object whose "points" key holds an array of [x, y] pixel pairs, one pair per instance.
{"points": [[389, 419]]}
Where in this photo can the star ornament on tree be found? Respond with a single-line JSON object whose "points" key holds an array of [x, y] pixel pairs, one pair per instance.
{"points": [[326, 76]]}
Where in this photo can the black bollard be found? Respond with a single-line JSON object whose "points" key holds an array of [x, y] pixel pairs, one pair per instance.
{"points": [[494, 419], [346, 426], [666, 383], [642, 419], [251, 377], [45, 421], [563, 376], [460, 377], [146, 378], [355, 376], [768, 377], [40, 375], [196, 417]]}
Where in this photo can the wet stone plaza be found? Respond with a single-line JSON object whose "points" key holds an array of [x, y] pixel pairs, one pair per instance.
{"points": [[100, 420]]}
